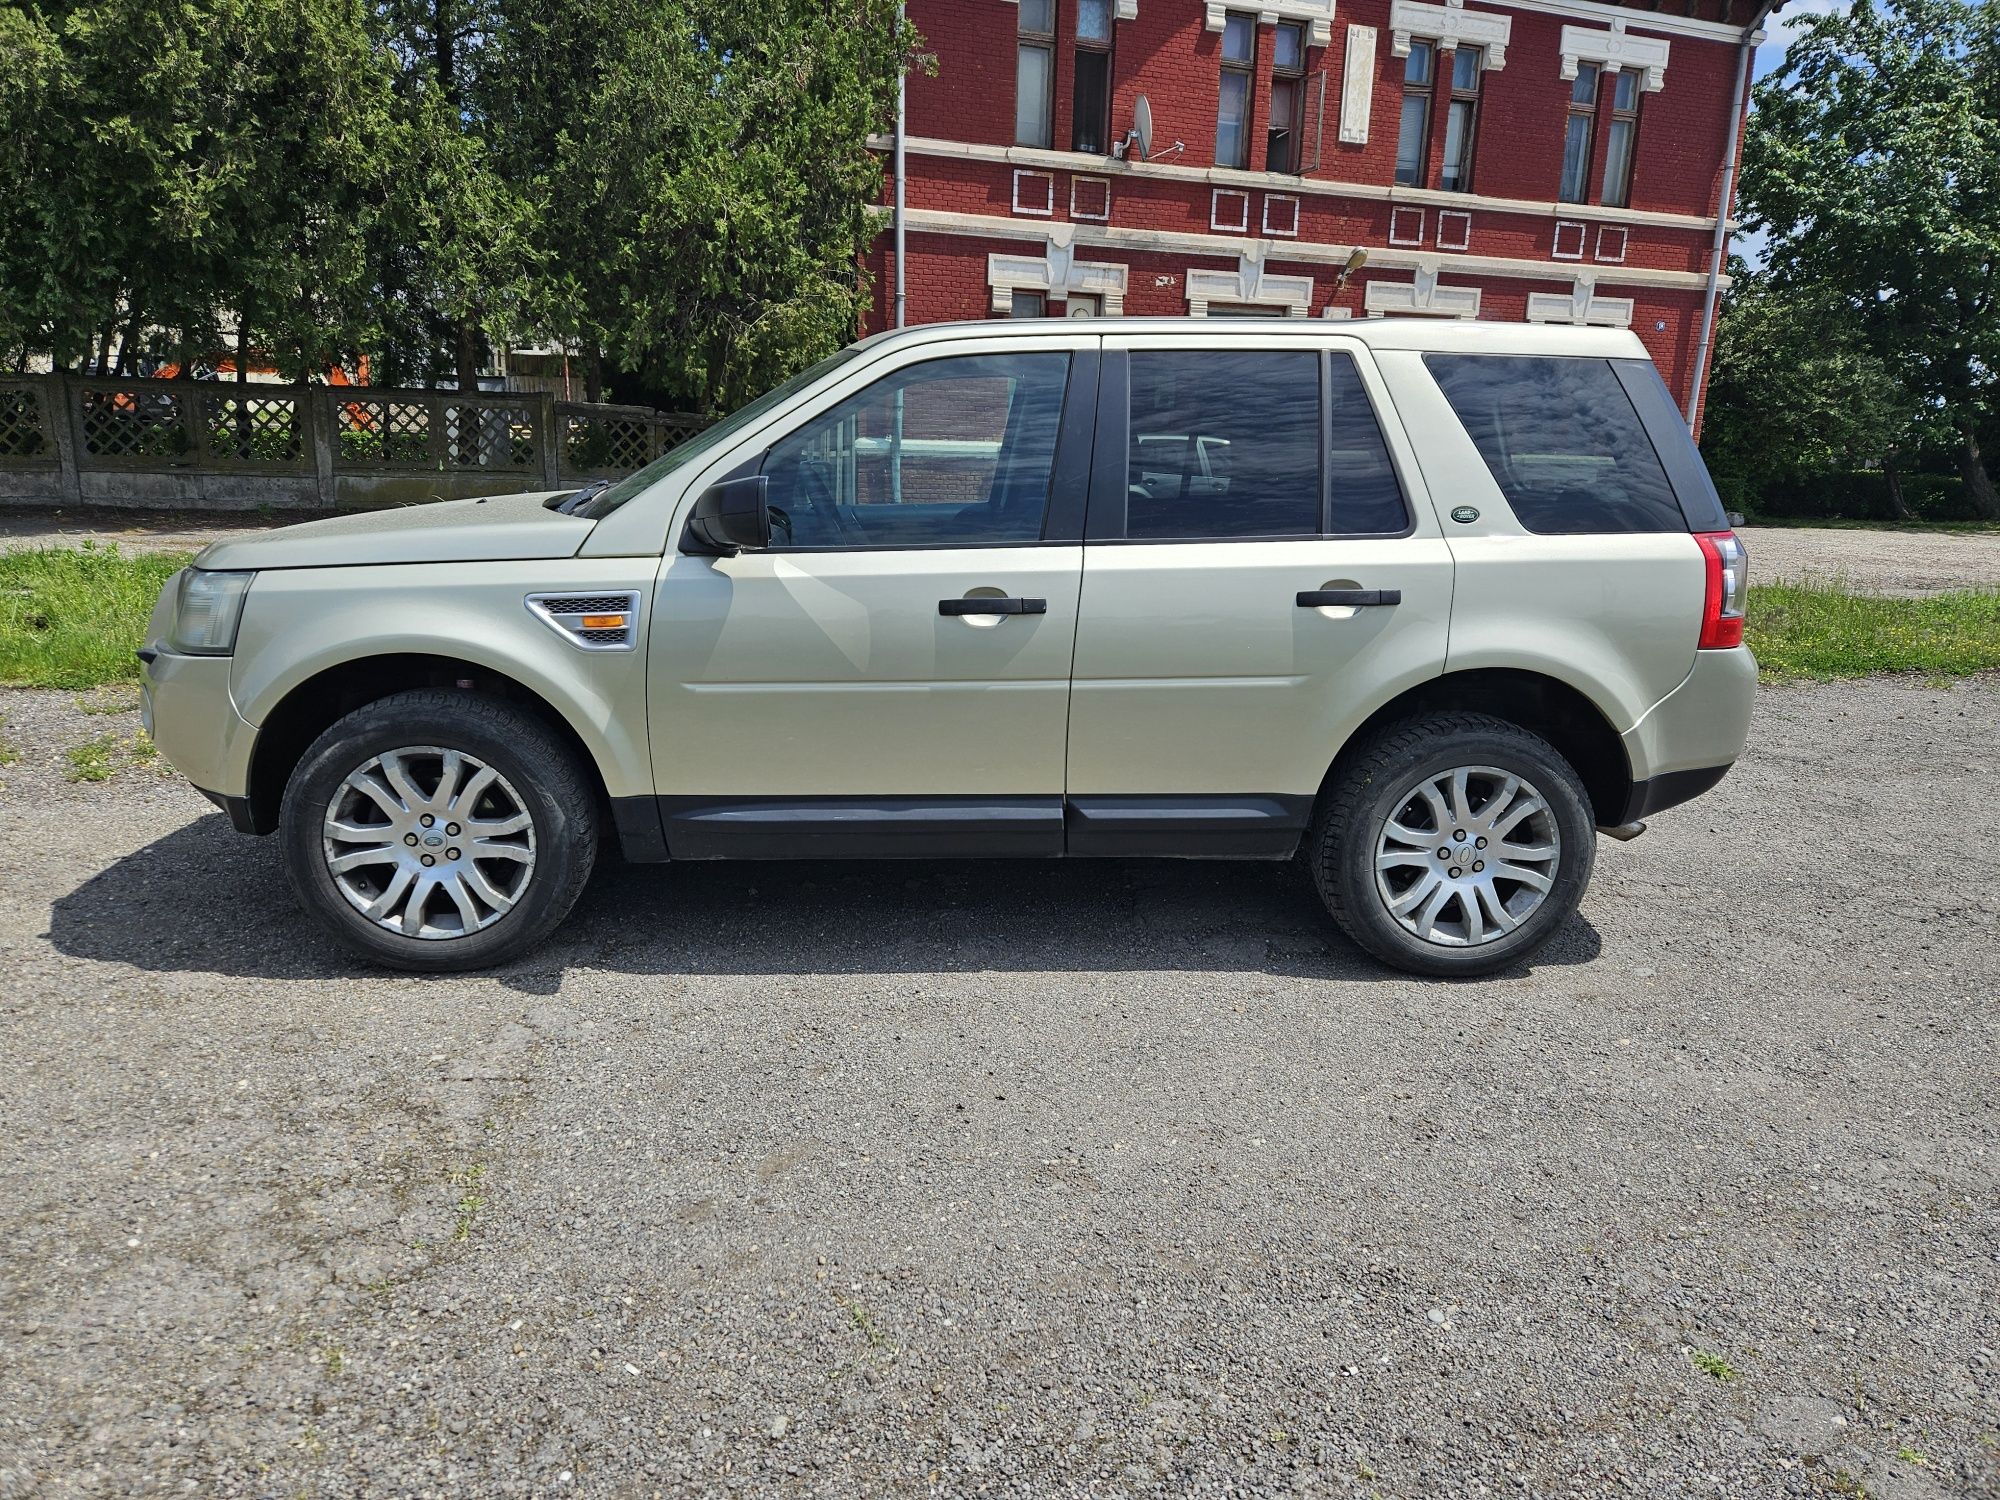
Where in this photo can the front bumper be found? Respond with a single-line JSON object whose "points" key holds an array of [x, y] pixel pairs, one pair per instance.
{"points": [[185, 704]]}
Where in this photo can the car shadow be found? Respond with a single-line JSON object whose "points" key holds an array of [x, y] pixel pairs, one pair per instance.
{"points": [[203, 899]]}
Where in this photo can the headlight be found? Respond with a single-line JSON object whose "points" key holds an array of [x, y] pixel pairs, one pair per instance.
{"points": [[207, 612]]}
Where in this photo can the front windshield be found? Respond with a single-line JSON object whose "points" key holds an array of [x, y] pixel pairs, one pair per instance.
{"points": [[709, 437]]}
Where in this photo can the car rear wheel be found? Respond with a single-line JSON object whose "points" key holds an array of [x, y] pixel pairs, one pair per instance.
{"points": [[439, 831], [1455, 844]]}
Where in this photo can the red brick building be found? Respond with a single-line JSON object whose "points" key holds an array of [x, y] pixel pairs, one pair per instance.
{"points": [[1549, 160]]}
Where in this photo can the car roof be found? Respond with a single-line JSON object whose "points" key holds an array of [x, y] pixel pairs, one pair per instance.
{"points": [[1456, 335]]}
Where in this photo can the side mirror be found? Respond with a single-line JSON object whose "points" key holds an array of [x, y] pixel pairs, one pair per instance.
{"points": [[728, 517]]}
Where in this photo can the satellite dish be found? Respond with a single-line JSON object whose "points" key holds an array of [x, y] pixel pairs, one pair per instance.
{"points": [[1142, 128]]}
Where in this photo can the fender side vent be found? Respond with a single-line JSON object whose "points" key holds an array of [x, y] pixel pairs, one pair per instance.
{"points": [[590, 622]]}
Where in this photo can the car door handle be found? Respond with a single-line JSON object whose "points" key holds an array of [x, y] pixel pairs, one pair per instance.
{"points": [[993, 606], [1360, 598]]}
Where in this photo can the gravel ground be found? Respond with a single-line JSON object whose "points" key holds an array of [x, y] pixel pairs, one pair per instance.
{"points": [[1875, 562], [1090, 1179]]}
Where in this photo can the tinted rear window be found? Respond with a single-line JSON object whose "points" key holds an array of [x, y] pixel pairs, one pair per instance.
{"points": [[1562, 441]]}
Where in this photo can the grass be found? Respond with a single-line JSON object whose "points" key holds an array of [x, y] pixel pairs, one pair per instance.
{"points": [[1823, 523], [1714, 1366], [71, 617], [91, 761], [1816, 632]]}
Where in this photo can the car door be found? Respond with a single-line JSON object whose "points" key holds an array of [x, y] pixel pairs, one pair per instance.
{"points": [[1261, 570], [891, 675]]}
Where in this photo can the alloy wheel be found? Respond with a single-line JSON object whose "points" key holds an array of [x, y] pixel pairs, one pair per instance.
{"points": [[429, 842], [1466, 856]]}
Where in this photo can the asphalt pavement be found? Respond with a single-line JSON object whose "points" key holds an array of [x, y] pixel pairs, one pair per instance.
{"points": [[1014, 1178]]}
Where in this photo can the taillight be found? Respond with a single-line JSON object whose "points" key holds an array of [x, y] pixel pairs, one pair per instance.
{"points": [[1728, 563]]}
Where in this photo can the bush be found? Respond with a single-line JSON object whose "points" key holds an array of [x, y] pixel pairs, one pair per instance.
{"points": [[1853, 495]]}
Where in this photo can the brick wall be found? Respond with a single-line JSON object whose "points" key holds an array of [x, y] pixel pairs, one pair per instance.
{"points": [[1167, 54]]}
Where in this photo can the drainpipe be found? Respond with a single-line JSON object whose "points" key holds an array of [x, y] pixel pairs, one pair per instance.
{"points": [[902, 73], [1744, 53]]}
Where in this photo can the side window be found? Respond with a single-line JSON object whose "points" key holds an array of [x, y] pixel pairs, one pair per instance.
{"points": [[1366, 497], [948, 453], [1562, 440], [1223, 444]]}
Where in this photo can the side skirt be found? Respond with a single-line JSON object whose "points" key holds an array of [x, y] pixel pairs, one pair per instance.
{"points": [[1177, 827]]}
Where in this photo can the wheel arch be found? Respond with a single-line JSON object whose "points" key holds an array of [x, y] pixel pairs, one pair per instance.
{"points": [[1543, 705], [316, 702]]}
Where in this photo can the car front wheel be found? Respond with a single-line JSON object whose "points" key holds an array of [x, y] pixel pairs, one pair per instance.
{"points": [[439, 831], [1455, 844]]}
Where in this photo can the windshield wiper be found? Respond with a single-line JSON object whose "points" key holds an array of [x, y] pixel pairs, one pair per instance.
{"points": [[569, 505]]}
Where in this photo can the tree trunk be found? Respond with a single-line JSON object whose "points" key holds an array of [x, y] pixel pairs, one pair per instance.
{"points": [[128, 342], [1978, 483], [1898, 506], [593, 371], [468, 355]]}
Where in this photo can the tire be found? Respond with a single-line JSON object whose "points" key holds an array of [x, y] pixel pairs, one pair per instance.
{"points": [[1365, 866], [523, 799]]}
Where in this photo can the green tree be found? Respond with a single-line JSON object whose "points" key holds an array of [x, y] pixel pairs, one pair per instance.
{"points": [[1796, 392], [703, 177], [1873, 164], [181, 164]]}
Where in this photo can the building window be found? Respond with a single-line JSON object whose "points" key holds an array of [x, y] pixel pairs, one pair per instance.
{"points": [[1413, 135], [1028, 305], [1092, 98], [1579, 134], [1232, 117], [1462, 121], [1288, 87], [1618, 143], [1034, 73]]}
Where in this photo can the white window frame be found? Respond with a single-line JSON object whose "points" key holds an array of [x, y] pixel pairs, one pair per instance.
{"points": [[1048, 181], [1399, 217], [1556, 251], [1242, 224], [1457, 234], [1077, 213], [1273, 231]]}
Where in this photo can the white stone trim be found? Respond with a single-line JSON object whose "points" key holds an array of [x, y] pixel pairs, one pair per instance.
{"points": [[1077, 213], [1357, 85], [1080, 161], [1624, 242], [1615, 51], [1584, 10], [1274, 231], [1317, 15], [1247, 286], [1241, 224], [1450, 26], [1556, 251], [1048, 182], [1118, 241], [1055, 275], [1582, 305], [1421, 296], [1399, 232], [1454, 229]]}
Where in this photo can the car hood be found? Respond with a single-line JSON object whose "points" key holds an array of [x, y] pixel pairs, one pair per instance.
{"points": [[494, 528]]}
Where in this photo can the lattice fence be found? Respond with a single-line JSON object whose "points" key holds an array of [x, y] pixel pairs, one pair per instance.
{"points": [[191, 427]]}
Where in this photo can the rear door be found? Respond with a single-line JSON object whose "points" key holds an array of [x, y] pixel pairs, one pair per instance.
{"points": [[1261, 570]]}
